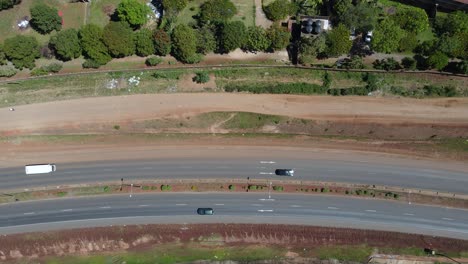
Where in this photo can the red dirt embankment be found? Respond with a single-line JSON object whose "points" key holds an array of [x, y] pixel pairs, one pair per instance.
{"points": [[446, 116], [111, 239]]}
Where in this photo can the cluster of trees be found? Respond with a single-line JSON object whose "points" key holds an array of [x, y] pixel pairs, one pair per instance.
{"points": [[5, 4], [124, 36]]}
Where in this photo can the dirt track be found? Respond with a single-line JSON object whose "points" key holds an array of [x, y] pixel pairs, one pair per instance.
{"points": [[28, 118]]}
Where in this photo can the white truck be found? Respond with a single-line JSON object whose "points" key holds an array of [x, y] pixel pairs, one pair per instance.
{"points": [[39, 168]]}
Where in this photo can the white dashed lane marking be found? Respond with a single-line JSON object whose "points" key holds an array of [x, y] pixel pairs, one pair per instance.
{"points": [[67, 210], [408, 214], [333, 208], [371, 211], [30, 213], [448, 219], [105, 207]]}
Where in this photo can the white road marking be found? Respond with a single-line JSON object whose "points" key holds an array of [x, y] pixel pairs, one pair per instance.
{"points": [[256, 205], [448, 219], [262, 210], [408, 214], [295, 205], [333, 208], [264, 199], [266, 173], [371, 211], [67, 210], [143, 205], [105, 207], [30, 213], [267, 162], [181, 204], [219, 204]]}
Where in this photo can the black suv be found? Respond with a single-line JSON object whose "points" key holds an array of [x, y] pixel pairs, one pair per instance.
{"points": [[205, 211], [284, 172]]}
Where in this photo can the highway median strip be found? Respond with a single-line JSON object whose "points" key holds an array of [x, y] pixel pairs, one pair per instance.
{"points": [[241, 185]]}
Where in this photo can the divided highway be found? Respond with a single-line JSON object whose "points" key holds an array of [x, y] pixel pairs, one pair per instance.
{"points": [[306, 168], [253, 208]]}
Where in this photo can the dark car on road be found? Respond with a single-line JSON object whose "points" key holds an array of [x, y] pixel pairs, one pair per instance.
{"points": [[284, 172], [205, 211]]}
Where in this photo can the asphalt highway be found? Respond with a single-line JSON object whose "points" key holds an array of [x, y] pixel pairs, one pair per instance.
{"points": [[306, 167], [281, 208]]}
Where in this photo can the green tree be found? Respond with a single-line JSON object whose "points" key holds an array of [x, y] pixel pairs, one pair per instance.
{"points": [[162, 42], [412, 19], [5, 4], [362, 16], [3, 59], [66, 44], [307, 7], [455, 22], [133, 12], [206, 40], [94, 49], [310, 48], [233, 36], [462, 67], [144, 42], [218, 11], [438, 60], [45, 19], [387, 36], [184, 43], [22, 51], [279, 37], [118, 37], [257, 39], [279, 10], [338, 41], [201, 77], [409, 63], [174, 6], [408, 43]]}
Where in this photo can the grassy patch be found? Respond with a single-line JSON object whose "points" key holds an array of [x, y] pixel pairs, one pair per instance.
{"points": [[245, 120], [192, 9], [97, 15], [344, 253], [73, 17], [179, 254]]}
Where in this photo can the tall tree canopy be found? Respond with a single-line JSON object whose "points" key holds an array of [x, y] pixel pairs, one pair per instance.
{"points": [[233, 36], [387, 36], [5, 4], [118, 37], [66, 44], [338, 41], [144, 42], [94, 49], [45, 19], [278, 36], [174, 6], [279, 10], [362, 16], [133, 12], [184, 43], [162, 42], [22, 51], [412, 19], [257, 39], [217, 11]]}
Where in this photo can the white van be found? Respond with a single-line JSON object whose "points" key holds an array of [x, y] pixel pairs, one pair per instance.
{"points": [[40, 168]]}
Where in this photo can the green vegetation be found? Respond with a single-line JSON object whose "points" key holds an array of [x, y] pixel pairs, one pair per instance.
{"points": [[5, 4], [201, 77], [344, 253], [171, 254], [257, 39], [278, 88], [66, 44], [162, 42], [119, 39], [45, 19], [133, 12], [232, 187], [92, 43], [278, 188], [153, 61], [279, 10], [44, 70], [166, 187], [233, 36], [338, 41], [217, 11], [246, 120], [144, 42], [184, 43], [22, 51]]}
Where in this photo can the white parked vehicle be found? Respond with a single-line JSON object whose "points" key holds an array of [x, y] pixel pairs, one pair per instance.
{"points": [[40, 168]]}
